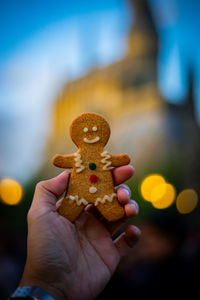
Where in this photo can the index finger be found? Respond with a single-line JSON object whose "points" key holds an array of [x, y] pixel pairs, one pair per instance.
{"points": [[121, 174]]}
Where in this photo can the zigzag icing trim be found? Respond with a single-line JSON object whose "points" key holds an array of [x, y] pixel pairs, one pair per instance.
{"points": [[78, 163], [105, 198], [105, 160], [78, 202]]}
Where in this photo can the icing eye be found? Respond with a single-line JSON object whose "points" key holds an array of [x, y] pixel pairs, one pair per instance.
{"points": [[94, 128], [85, 129]]}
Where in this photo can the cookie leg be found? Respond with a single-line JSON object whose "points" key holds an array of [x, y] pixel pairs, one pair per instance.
{"points": [[112, 211], [71, 208]]}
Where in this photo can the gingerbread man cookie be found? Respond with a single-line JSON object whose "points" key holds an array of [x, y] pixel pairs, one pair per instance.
{"points": [[91, 179]]}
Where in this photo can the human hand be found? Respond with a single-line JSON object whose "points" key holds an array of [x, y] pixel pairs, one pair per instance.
{"points": [[75, 260]]}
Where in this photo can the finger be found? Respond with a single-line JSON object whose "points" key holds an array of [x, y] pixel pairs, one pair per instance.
{"points": [[131, 209], [127, 240], [123, 193], [48, 191], [122, 174]]}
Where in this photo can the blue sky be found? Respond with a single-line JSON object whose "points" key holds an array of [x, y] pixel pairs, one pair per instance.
{"points": [[21, 19]]}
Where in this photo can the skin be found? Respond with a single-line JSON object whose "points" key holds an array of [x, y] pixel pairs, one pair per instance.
{"points": [[75, 260]]}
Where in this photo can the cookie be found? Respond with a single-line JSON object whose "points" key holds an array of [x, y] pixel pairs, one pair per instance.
{"points": [[91, 178]]}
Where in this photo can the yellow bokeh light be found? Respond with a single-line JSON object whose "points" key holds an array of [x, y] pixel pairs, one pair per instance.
{"points": [[148, 185], [187, 201], [10, 191], [163, 195], [158, 192]]}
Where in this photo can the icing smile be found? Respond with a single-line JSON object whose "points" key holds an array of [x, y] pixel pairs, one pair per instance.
{"points": [[96, 139]]}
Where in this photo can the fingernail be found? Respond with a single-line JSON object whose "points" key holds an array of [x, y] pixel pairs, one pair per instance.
{"points": [[137, 230], [127, 192], [136, 206]]}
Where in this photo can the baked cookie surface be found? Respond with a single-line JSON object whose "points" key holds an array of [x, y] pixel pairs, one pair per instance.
{"points": [[91, 179]]}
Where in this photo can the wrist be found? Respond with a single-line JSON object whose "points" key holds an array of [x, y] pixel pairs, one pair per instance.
{"points": [[31, 292], [50, 289]]}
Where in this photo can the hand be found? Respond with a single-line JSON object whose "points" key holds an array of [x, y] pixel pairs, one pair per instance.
{"points": [[75, 260]]}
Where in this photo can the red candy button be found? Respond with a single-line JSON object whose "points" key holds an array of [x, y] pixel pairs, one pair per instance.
{"points": [[93, 178]]}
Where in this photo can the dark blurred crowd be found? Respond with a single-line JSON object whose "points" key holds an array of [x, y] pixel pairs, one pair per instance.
{"points": [[12, 258], [165, 264]]}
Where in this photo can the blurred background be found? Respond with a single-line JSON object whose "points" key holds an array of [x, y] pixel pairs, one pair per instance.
{"points": [[136, 62]]}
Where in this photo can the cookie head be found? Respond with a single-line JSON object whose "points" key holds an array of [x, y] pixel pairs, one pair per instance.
{"points": [[90, 129]]}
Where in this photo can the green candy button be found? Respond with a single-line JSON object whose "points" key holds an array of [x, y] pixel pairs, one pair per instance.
{"points": [[92, 166]]}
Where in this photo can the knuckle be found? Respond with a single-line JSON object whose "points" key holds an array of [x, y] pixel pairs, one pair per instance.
{"points": [[29, 216], [40, 185], [32, 215]]}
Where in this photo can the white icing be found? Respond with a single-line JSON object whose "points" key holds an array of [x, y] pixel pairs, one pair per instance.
{"points": [[105, 160], [96, 139], [85, 129], [78, 202], [105, 198], [92, 189], [94, 128], [78, 163]]}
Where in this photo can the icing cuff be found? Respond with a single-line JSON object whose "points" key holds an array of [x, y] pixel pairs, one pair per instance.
{"points": [[78, 202], [78, 163], [105, 160]]}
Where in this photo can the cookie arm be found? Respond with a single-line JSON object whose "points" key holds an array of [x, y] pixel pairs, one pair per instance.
{"points": [[63, 161], [120, 160]]}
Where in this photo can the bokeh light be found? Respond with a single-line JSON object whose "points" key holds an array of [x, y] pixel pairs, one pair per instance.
{"points": [[10, 191], [187, 201], [158, 192], [163, 195], [148, 185]]}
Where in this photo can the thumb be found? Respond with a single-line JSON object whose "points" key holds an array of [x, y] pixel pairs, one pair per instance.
{"points": [[48, 191]]}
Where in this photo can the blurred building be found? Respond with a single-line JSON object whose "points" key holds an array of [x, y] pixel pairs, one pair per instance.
{"points": [[126, 94]]}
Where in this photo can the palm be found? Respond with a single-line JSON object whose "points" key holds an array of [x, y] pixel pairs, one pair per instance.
{"points": [[88, 253]]}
